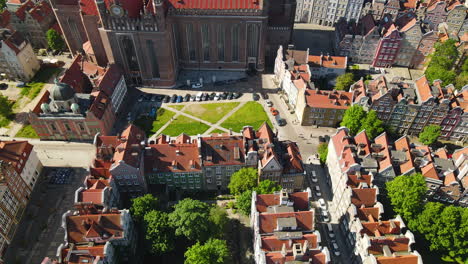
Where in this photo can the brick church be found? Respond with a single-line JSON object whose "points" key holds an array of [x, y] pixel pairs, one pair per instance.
{"points": [[152, 40]]}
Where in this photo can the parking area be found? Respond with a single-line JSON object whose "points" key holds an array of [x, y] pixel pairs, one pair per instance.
{"points": [[40, 233]]}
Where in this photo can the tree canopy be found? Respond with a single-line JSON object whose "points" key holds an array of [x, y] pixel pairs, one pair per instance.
{"points": [[323, 152], [372, 124], [244, 201], [267, 187], [353, 118], [219, 218], [142, 205], [343, 82], [243, 180], [55, 40], [191, 218], [429, 134], [442, 62], [214, 251], [406, 194], [159, 232]]}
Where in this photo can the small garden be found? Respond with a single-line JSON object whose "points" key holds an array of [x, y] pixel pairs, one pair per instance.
{"points": [[251, 114], [34, 87], [27, 131], [187, 125]]}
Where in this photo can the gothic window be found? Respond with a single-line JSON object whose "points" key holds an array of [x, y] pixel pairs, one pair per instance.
{"points": [[205, 31], [220, 42], [253, 38], [190, 42], [153, 58], [130, 54], [235, 42]]}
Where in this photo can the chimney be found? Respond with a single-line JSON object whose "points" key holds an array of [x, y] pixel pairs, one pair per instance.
{"points": [[297, 251], [178, 153]]}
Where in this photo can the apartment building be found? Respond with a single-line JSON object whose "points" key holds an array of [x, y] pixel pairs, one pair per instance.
{"points": [[322, 108], [327, 13], [284, 229], [17, 58], [436, 14], [455, 17], [328, 67], [103, 193], [388, 48]]}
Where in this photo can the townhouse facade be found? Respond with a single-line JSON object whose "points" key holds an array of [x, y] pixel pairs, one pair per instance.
{"points": [[284, 230], [455, 18], [17, 58], [327, 13]]}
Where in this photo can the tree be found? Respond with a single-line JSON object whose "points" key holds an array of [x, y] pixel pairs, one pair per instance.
{"points": [[6, 105], [244, 202], [343, 82], [323, 152], [429, 134], [437, 71], [54, 40], [219, 218], [191, 219], [2, 5], [406, 194], [214, 251], [159, 232], [142, 205], [442, 62], [243, 180], [461, 80], [267, 187], [373, 125], [353, 118]]}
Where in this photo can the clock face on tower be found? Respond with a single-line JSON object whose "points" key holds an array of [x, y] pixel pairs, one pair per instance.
{"points": [[117, 10]]}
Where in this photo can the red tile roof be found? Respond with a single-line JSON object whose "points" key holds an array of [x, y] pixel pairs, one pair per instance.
{"points": [[109, 79], [41, 11], [313, 257], [429, 171], [450, 179], [381, 228], [355, 180], [300, 201], [365, 196], [222, 150], [83, 254], [363, 144], [94, 191], [21, 12], [129, 143], [333, 62], [403, 259], [5, 17], [460, 152], [272, 243], [100, 104], [402, 144], [341, 140], [75, 77], [395, 244], [424, 88], [217, 5], [16, 152], [368, 213], [328, 99], [268, 222], [103, 226], [293, 162], [173, 157], [385, 160]]}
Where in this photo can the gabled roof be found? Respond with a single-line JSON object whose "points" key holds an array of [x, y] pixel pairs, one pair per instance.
{"points": [[402, 144], [129, 144], [99, 105], [5, 17], [333, 62], [222, 150], [173, 157], [300, 201], [41, 11], [399, 259], [109, 79], [395, 244], [429, 171], [272, 243], [268, 221], [368, 213], [364, 196], [107, 226], [328, 99], [21, 12], [381, 228], [312, 256], [385, 160], [16, 152]]}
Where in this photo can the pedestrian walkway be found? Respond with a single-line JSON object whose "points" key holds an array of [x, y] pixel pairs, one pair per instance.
{"points": [[217, 125]]}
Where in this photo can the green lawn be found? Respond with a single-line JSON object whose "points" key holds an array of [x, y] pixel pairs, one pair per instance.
{"points": [[251, 114], [34, 87], [151, 126], [27, 132], [210, 112], [219, 131], [185, 125], [177, 107]]}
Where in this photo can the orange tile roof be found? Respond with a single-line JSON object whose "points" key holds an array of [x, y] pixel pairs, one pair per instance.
{"points": [[424, 88], [381, 228], [272, 243], [459, 152], [402, 259], [355, 180], [312, 257], [385, 161], [83, 254], [16, 152], [395, 244], [300, 201], [268, 222], [429, 171], [340, 141], [173, 157], [364, 196], [104, 226], [402, 144], [365, 213], [294, 159], [129, 143], [450, 179], [222, 150], [362, 141], [410, 4], [335, 62], [442, 153], [328, 99], [358, 90]]}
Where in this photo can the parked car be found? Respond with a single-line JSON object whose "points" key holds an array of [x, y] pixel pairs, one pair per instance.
{"points": [[280, 121], [166, 99], [186, 98], [217, 96], [317, 191], [230, 95], [269, 103], [330, 232], [336, 249], [3, 86], [174, 98], [274, 111], [314, 177], [212, 96], [205, 97], [197, 85], [265, 96], [198, 97], [255, 97], [180, 99], [237, 95], [222, 96], [20, 84], [322, 204], [193, 98]]}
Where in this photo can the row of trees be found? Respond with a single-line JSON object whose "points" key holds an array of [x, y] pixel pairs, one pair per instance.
{"points": [[445, 227], [357, 119], [244, 182], [442, 65], [201, 224]]}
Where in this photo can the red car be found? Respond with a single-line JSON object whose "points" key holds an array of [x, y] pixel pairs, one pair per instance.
{"points": [[274, 111]]}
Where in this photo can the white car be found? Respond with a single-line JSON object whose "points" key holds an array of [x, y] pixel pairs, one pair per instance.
{"points": [[325, 217], [217, 96], [322, 204], [314, 177], [317, 191], [269, 103], [197, 85]]}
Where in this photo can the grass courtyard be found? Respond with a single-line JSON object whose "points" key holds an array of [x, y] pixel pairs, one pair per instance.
{"points": [[27, 131], [210, 112], [150, 125], [34, 87], [251, 114], [187, 125]]}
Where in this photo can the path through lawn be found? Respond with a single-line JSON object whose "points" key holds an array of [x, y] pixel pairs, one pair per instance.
{"points": [[251, 114], [187, 125], [210, 112]]}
